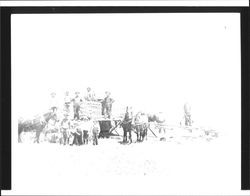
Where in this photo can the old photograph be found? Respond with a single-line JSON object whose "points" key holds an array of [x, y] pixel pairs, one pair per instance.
{"points": [[126, 103]]}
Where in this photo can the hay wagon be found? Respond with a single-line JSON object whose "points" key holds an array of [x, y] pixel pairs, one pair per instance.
{"points": [[93, 109]]}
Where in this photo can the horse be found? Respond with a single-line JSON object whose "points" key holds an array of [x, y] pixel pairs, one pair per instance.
{"points": [[37, 124], [42, 123], [141, 126], [51, 123], [127, 126], [24, 126]]}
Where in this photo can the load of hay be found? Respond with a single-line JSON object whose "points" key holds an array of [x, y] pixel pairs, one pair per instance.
{"points": [[91, 109]]}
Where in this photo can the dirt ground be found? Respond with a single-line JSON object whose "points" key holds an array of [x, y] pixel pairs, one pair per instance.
{"points": [[155, 166], [112, 157]]}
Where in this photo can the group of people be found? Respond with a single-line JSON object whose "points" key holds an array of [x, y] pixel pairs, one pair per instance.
{"points": [[74, 128], [72, 105], [77, 132]]}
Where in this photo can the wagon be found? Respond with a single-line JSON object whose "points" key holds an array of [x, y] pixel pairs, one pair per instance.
{"points": [[93, 109], [108, 127]]}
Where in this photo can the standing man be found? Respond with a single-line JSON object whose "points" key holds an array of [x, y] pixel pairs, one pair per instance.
{"points": [[187, 114], [78, 137], [95, 132], [67, 101], [65, 126], [77, 105], [90, 95], [68, 107], [107, 105], [86, 126], [76, 134]]}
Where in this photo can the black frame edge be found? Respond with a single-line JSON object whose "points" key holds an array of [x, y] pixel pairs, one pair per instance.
{"points": [[5, 99], [120, 9], [245, 97]]}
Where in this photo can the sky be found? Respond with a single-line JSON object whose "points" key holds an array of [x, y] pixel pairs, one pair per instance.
{"points": [[152, 62]]}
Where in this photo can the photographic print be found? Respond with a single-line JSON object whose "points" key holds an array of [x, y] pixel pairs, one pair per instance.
{"points": [[126, 103]]}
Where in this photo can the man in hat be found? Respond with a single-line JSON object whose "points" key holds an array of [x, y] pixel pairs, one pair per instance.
{"points": [[76, 134], [86, 126], [77, 105], [95, 132], [90, 95], [65, 126], [107, 105]]}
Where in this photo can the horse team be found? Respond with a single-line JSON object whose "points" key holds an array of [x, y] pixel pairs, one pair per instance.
{"points": [[139, 124]]}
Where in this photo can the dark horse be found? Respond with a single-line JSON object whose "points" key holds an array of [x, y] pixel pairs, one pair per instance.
{"points": [[127, 126]]}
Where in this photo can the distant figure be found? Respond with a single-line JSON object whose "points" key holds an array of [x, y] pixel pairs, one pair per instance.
{"points": [[77, 105], [53, 103], [90, 95], [95, 132], [187, 114], [107, 105]]}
